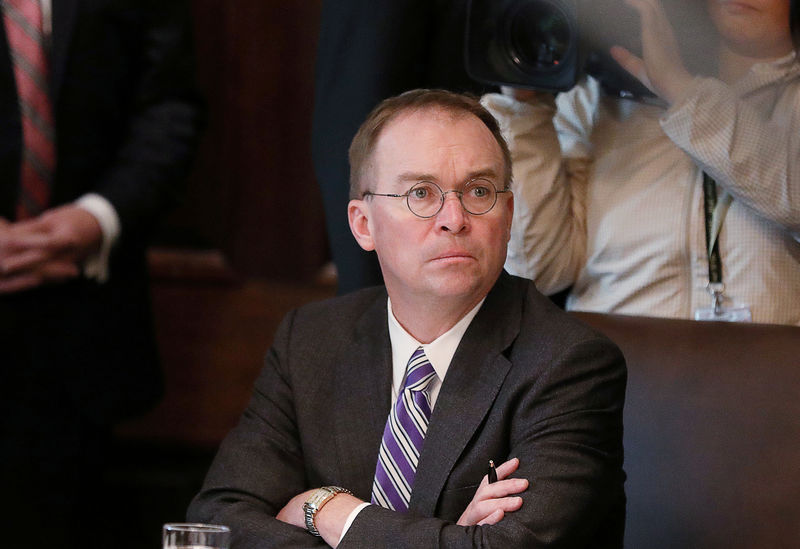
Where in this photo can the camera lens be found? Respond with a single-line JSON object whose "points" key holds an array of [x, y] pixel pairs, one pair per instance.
{"points": [[537, 35]]}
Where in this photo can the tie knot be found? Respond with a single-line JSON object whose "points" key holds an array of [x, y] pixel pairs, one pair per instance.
{"points": [[419, 372]]}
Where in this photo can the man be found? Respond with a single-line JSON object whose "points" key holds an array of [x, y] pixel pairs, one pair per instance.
{"points": [[508, 376], [368, 51], [98, 123]]}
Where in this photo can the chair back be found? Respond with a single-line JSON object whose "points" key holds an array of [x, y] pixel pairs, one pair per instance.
{"points": [[712, 432]]}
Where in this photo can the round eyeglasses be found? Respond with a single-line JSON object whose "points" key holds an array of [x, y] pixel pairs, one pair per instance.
{"points": [[426, 199]]}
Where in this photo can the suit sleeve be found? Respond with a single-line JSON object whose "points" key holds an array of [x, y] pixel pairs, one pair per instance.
{"points": [[567, 432], [259, 466], [162, 129]]}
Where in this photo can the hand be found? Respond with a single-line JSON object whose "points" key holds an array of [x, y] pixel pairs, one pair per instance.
{"points": [[292, 513], [329, 520], [660, 68], [48, 248], [491, 502], [521, 94]]}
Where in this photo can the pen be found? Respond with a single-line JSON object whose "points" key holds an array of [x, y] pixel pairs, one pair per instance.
{"points": [[492, 472]]}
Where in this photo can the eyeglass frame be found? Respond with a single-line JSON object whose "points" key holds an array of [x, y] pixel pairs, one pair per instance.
{"points": [[442, 195]]}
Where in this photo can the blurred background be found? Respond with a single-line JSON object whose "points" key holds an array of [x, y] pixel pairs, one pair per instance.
{"points": [[247, 245]]}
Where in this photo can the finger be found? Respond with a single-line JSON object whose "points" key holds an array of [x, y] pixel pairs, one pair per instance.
{"points": [[23, 240], [632, 64], [28, 260], [628, 61], [655, 27], [507, 468], [482, 510], [502, 488], [34, 225], [52, 271], [495, 517], [20, 282], [29, 250], [485, 508], [645, 9]]}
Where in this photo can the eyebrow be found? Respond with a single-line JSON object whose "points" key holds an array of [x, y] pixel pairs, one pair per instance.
{"points": [[487, 173]]}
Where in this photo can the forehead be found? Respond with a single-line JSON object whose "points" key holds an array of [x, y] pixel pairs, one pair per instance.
{"points": [[434, 142]]}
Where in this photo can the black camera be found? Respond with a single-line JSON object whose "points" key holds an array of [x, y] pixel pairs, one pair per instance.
{"points": [[549, 44]]}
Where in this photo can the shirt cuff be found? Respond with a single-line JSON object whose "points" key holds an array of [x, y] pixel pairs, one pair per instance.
{"points": [[679, 114], [509, 106], [96, 265], [350, 518]]}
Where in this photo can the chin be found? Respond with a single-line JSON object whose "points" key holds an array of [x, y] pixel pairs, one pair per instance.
{"points": [[459, 286], [462, 285]]}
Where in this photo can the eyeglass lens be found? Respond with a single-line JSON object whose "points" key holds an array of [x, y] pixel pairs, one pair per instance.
{"points": [[425, 199]]}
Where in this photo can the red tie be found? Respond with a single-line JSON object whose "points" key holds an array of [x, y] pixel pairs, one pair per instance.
{"points": [[23, 22]]}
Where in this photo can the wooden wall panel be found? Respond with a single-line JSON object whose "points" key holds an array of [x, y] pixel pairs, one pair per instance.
{"points": [[252, 194], [213, 338], [250, 239]]}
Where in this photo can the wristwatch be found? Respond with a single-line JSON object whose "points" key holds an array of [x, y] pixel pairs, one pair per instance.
{"points": [[315, 503]]}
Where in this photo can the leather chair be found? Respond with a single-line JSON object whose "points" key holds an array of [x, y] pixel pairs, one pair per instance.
{"points": [[712, 432]]}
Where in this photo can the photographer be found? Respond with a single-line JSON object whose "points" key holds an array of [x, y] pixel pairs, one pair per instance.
{"points": [[610, 194]]}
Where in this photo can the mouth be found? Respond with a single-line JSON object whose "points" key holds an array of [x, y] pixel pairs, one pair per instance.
{"points": [[454, 256]]}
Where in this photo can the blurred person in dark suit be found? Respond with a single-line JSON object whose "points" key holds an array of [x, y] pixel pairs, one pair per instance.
{"points": [[99, 119], [369, 51]]}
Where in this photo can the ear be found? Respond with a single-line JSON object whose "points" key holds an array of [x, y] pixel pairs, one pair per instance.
{"points": [[510, 213], [358, 216]]}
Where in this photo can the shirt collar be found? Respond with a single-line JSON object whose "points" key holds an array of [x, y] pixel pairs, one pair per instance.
{"points": [[439, 351], [766, 73]]}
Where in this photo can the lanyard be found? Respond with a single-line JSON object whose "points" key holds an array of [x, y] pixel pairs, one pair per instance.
{"points": [[714, 211]]}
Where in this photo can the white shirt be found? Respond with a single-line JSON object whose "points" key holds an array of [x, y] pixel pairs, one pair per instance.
{"points": [[439, 353], [608, 195]]}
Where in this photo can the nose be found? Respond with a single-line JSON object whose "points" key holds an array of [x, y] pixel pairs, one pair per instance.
{"points": [[452, 217]]}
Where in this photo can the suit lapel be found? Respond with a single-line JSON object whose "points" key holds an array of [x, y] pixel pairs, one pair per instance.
{"points": [[363, 397], [64, 13], [474, 378]]}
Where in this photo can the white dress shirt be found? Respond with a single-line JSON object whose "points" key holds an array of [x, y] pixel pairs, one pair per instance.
{"points": [[439, 353], [608, 195]]}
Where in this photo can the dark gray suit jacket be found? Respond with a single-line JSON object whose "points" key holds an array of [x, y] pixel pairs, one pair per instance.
{"points": [[127, 122], [527, 380]]}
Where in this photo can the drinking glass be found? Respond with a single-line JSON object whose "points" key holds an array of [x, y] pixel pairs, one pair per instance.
{"points": [[196, 536]]}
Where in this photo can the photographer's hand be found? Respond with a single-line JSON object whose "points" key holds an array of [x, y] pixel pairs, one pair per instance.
{"points": [[534, 97], [519, 94], [660, 68]]}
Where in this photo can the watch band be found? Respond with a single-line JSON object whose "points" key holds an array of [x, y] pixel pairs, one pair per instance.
{"points": [[314, 503]]}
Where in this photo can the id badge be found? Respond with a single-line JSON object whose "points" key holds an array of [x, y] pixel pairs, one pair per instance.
{"points": [[737, 313]]}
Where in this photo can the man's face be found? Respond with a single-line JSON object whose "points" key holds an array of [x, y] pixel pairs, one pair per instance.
{"points": [[454, 253]]}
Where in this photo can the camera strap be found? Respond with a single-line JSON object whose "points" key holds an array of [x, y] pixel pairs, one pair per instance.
{"points": [[714, 210]]}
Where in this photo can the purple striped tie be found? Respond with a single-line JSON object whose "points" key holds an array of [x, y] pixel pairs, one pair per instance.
{"points": [[23, 23], [403, 437]]}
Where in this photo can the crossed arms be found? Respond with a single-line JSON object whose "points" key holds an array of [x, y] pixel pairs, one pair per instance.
{"points": [[563, 420]]}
